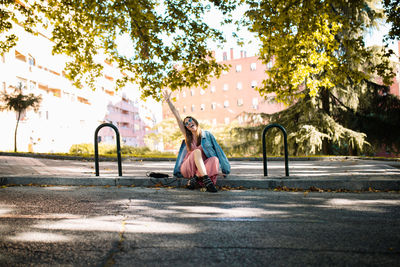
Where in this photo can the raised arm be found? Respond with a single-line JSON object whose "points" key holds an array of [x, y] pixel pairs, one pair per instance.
{"points": [[167, 96]]}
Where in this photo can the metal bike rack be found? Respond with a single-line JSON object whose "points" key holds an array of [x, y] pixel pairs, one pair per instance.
{"points": [[269, 126], [96, 147]]}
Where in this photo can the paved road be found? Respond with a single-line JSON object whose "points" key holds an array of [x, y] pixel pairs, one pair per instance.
{"points": [[122, 226]]}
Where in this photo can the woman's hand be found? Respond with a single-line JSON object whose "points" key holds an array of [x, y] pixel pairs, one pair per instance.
{"points": [[167, 95]]}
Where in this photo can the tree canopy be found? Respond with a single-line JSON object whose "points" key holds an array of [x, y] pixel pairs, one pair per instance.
{"points": [[314, 45], [169, 38], [392, 11], [310, 42]]}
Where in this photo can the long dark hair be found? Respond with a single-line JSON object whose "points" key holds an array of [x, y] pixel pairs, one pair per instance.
{"points": [[189, 135]]}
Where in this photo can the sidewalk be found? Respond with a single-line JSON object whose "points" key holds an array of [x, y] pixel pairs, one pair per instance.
{"points": [[324, 173]]}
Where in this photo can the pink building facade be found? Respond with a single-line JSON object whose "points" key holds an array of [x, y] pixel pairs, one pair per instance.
{"points": [[125, 115], [227, 97]]}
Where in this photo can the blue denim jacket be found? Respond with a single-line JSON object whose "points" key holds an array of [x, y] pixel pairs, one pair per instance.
{"points": [[210, 148]]}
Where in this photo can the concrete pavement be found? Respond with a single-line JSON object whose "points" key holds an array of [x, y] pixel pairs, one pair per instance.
{"points": [[335, 173]]}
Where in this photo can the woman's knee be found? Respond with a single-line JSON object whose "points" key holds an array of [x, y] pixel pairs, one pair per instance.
{"points": [[197, 153], [214, 160]]}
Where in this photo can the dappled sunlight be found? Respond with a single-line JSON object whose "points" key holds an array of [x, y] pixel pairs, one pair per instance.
{"points": [[288, 205], [41, 216], [60, 188], [72, 170], [40, 237], [240, 167], [115, 224], [103, 223], [164, 213], [310, 172], [360, 205], [151, 226], [5, 209], [311, 167], [207, 211]]}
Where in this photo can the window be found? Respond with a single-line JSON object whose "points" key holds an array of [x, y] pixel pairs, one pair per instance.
{"points": [[212, 89], [255, 103], [202, 92], [253, 84], [83, 100], [192, 108], [32, 85], [20, 56], [227, 120], [184, 109], [226, 87], [31, 61], [239, 86], [240, 102], [202, 107], [238, 68], [253, 66], [224, 72], [269, 65], [183, 94], [109, 92], [109, 77], [213, 106], [192, 92], [22, 82], [226, 103], [240, 119], [214, 121], [71, 97]]}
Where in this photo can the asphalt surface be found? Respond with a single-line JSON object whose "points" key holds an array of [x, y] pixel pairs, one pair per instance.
{"points": [[334, 173], [124, 226]]}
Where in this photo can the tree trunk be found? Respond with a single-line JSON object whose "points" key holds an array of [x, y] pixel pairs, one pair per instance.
{"points": [[326, 144], [16, 129]]}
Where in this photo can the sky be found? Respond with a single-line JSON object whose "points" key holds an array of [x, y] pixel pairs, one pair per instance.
{"points": [[376, 38]]}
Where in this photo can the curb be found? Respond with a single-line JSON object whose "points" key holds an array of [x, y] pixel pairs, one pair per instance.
{"points": [[388, 183]]}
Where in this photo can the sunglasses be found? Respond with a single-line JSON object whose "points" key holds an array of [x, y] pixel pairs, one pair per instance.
{"points": [[187, 122]]}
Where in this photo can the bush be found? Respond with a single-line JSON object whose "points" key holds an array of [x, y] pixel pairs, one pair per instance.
{"points": [[82, 149], [108, 149]]}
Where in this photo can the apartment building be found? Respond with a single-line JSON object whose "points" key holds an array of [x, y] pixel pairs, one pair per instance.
{"points": [[233, 93], [67, 115], [228, 97]]}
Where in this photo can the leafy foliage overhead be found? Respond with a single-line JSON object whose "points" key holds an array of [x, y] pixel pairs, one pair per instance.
{"points": [[168, 38], [392, 10], [314, 44]]}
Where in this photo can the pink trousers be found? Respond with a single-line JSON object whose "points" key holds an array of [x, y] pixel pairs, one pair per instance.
{"points": [[189, 168]]}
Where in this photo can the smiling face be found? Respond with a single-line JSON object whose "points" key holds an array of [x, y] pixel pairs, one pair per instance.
{"points": [[190, 124]]}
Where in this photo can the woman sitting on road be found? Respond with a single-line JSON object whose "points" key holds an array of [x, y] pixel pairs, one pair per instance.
{"points": [[199, 156]]}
